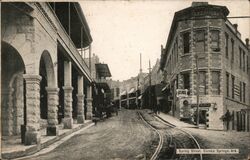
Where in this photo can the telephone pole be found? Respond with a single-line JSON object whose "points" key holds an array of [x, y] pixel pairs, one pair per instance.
{"points": [[149, 77], [197, 90]]}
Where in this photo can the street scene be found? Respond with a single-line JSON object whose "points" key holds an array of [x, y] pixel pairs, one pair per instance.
{"points": [[125, 80]]}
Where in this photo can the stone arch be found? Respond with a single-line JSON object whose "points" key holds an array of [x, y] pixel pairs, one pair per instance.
{"points": [[46, 71], [12, 90]]}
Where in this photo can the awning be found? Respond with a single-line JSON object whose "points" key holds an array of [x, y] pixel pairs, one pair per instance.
{"points": [[132, 90], [123, 93], [140, 97]]}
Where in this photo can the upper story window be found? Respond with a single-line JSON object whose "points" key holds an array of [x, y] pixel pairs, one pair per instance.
{"points": [[244, 92], [232, 49], [226, 44], [215, 82], [240, 55], [202, 83], [186, 81], [244, 60], [200, 41], [186, 41], [215, 40], [227, 83], [233, 79]]}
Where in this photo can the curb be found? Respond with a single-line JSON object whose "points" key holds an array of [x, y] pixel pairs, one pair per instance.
{"points": [[35, 148]]}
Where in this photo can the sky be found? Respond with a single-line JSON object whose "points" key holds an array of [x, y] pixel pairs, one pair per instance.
{"points": [[121, 30]]}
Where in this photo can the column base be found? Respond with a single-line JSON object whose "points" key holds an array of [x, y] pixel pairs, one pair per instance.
{"points": [[32, 137], [89, 115], [80, 119], [68, 123], [52, 131]]}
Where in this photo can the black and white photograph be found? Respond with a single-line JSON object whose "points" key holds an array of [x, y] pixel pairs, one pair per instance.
{"points": [[125, 80]]}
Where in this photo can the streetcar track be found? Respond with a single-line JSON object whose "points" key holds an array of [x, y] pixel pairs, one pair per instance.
{"points": [[177, 138], [161, 138], [186, 132]]}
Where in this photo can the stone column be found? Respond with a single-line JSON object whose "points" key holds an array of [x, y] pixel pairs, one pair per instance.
{"points": [[7, 109], [67, 120], [52, 129], [89, 102], [32, 134], [80, 101]]}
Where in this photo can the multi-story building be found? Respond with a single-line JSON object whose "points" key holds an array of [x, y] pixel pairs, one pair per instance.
{"points": [[43, 76], [115, 90], [152, 86], [101, 76], [202, 35]]}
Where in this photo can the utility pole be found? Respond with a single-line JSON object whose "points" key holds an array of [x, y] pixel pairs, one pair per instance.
{"points": [[149, 76], [197, 90]]}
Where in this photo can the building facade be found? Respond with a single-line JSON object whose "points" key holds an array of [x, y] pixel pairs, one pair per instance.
{"points": [[44, 79], [202, 39]]}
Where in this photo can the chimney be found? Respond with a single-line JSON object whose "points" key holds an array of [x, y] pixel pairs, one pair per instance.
{"points": [[195, 4], [247, 43], [235, 26]]}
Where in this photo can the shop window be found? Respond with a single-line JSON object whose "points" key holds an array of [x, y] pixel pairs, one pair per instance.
{"points": [[216, 83], [215, 40], [186, 41], [200, 41]]}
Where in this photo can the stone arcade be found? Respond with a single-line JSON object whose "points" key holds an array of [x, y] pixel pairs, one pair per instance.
{"points": [[44, 79]]}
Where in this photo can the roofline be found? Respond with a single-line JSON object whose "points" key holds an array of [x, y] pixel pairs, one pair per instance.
{"points": [[83, 20], [175, 21]]}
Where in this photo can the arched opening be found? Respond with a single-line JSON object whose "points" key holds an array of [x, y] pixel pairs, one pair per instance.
{"points": [[46, 71], [12, 91]]}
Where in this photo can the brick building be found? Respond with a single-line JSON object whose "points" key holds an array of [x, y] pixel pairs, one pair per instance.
{"points": [[43, 75], [202, 34]]}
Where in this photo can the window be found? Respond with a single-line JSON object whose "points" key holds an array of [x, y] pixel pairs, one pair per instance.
{"points": [[216, 83], [247, 63], [240, 91], [244, 92], [244, 65], [227, 83], [186, 39], [226, 45], [202, 81], [232, 50], [177, 49], [240, 54], [186, 81], [215, 45], [233, 78], [200, 41]]}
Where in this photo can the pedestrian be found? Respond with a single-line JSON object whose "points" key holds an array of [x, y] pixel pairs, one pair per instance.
{"points": [[227, 118]]}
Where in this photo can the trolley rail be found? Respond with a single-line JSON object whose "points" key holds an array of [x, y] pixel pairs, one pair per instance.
{"points": [[176, 138]]}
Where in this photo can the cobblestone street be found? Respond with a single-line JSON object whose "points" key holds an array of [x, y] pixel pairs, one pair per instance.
{"points": [[121, 137]]}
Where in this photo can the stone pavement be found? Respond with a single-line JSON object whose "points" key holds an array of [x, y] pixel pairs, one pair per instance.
{"points": [[12, 148]]}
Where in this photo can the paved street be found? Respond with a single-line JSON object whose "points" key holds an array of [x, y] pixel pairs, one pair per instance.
{"points": [[121, 137]]}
